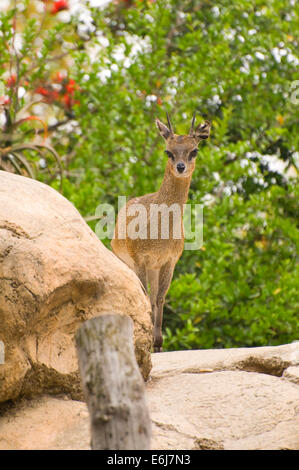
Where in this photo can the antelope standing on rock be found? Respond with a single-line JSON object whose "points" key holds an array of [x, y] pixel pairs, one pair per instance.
{"points": [[153, 258]]}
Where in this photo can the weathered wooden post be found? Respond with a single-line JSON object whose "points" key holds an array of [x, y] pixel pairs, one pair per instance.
{"points": [[112, 383]]}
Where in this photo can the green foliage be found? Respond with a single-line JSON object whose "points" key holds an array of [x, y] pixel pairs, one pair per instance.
{"points": [[235, 63], [242, 290]]}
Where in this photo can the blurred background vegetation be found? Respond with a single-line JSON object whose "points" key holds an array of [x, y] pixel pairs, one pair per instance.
{"points": [[81, 83]]}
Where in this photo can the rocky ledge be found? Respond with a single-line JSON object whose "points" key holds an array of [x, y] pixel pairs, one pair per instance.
{"points": [[206, 399]]}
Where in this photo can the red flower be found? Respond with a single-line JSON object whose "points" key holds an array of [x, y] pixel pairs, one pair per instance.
{"points": [[59, 5], [11, 81], [67, 101], [4, 100], [42, 91], [64, 95], [50, 95], [71, 86]]}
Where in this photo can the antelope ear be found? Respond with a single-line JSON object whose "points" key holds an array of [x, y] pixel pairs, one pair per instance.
{"points": [[164, 131], [202, 131]]}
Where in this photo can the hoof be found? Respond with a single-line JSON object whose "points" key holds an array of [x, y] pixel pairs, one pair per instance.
{"points": [[158, 349]]}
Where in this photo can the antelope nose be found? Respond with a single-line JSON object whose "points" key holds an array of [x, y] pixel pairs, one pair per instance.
{"points": [[180, 167]]}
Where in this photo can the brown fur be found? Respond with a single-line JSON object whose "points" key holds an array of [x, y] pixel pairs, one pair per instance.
{"points": [[154, 260]]}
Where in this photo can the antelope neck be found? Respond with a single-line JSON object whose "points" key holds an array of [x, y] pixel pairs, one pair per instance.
{"points": [[173, 190]]}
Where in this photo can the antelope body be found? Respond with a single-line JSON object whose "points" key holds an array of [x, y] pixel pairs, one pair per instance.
{"points": [[153, 258]]}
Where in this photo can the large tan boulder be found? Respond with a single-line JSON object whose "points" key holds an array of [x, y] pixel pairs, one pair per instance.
{"points": [[54, 275]]}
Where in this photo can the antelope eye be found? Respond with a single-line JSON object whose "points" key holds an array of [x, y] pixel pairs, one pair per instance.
{"points": [[193, 154], [169, 154]]}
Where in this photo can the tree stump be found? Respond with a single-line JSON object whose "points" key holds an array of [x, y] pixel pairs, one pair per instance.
{"points": [[112, 383]]}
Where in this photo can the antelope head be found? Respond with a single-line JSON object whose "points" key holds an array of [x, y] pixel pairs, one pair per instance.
{"points": [[182, 149]]}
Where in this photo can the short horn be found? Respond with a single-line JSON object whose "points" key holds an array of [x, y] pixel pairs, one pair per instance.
{"points": [[169, 123], [191, 132]]}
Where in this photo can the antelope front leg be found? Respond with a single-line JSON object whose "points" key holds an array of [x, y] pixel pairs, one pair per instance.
{"points": [[142, 274], [165, 277], [153, 279]]}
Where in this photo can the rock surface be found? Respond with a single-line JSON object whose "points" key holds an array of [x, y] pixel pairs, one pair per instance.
{"points": [[55, 274], [208, 399]]}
